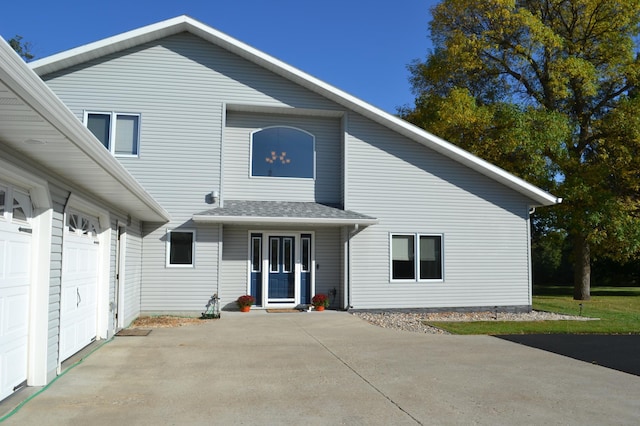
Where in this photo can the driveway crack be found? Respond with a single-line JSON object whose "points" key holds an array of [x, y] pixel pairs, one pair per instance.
{"points": [[364, 379]]}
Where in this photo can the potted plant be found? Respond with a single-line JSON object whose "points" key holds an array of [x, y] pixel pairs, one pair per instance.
{"points": [[245, 302], [320, 301]]}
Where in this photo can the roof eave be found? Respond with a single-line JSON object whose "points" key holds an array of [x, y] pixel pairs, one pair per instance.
{"points": [[41, 99], [282, 220]]}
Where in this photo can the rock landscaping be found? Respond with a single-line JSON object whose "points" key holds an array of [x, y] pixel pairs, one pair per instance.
{"points": [[411, 321]]}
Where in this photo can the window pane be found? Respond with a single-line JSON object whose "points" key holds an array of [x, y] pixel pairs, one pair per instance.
{"points": [[100, 125], [403, 259], [3, 195], [181, 252], [430, 257], [306, 254], [282, 152], [126, 141], [256, 256], [287, 265], [274, 255]]}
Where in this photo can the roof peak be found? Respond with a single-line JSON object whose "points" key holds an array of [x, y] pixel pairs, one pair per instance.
{"points": [[184, 23]]}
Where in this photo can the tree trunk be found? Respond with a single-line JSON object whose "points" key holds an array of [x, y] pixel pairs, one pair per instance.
{"points": [[581, 269]]}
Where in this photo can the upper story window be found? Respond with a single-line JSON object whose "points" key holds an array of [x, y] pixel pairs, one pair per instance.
{"points": [[283, 152], [118, 132]]}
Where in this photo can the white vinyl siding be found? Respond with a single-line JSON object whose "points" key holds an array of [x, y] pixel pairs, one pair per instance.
{"points": [[485, 224]]}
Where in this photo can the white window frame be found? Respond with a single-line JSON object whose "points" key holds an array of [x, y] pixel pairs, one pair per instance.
{"points": [[416, 256], [113, 119], [168, 263]]}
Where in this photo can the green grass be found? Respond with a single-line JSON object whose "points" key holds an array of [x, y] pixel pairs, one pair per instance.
{"points": [[617, 307]]}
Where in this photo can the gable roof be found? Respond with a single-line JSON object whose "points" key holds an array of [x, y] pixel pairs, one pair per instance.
{"points": [[35, 122], [187, 24]]}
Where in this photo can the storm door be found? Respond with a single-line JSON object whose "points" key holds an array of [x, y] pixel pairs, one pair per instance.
{"points": [[281, 265]]}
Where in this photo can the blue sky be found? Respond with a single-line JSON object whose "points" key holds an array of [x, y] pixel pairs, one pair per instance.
{"points": [[359, 46]]}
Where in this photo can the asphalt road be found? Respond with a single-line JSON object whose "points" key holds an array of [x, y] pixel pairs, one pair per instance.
{"points": [[620, 352]]}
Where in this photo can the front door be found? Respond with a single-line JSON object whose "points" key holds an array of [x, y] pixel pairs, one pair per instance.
{"points": [[281, 282]]}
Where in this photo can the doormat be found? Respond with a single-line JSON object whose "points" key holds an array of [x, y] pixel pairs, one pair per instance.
{"points": [[133, 332], [282, 311]]}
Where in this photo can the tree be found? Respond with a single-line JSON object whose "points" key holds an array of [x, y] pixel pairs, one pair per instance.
{"points": [[21, 48], [547, 89]]}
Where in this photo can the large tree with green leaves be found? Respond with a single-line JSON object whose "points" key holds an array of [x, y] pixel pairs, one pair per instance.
{"points": [[547, 89]]}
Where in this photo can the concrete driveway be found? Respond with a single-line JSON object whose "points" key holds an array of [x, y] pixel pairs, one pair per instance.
{"points": [[327, 368]]}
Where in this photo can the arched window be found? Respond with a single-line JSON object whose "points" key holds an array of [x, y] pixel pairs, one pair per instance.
{"points": [[282, 152]]}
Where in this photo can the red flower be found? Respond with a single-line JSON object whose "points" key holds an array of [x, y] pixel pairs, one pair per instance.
{"points": [[246, 300], [320, 300]]}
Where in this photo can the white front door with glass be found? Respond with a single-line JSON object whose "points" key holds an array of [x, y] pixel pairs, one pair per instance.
{"points": [[281, 272]]}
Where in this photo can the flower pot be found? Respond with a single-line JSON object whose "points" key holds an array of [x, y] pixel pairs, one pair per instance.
{"points": [[245, 309], [320, 308]]}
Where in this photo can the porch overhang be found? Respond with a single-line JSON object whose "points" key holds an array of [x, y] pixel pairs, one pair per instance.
{"points": [[282, 212]]}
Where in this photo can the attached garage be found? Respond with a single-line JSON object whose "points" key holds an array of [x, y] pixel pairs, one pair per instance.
{"points": [[60, 194], [15, 267], [80, 273]]}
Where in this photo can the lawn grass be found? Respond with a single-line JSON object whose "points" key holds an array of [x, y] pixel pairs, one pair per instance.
{"points": [[617, 307]]}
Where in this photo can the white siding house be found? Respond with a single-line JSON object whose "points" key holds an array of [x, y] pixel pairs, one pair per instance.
{"points": [[281, 185], [163, 165]]}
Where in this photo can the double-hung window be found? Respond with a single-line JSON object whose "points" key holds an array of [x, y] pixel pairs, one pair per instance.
{"points": [[118, 132], [416, 257], [180, 248]]}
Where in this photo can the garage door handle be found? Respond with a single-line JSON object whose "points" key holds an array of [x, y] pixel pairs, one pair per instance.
{"points": [[79, 299]]}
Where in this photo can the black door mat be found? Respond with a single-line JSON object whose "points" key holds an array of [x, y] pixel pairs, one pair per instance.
{"points": [[133, 332], [282, 311]]}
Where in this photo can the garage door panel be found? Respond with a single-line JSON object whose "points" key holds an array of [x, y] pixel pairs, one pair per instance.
{"points": [[79, 294], [15, 309], [15, 253], [14, 367], [18, 253]]}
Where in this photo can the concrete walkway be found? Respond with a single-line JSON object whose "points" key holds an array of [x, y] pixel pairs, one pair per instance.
{"points": [[327, 368]]}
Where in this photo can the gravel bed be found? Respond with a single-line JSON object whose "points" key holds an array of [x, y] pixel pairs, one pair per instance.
{"points": [[414, 321]]}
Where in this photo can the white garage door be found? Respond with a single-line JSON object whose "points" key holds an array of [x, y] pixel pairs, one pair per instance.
{"points": [[78, 313], [15, 260]]}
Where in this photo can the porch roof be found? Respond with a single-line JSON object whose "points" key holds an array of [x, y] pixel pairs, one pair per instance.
{"points": [[281, 212]]}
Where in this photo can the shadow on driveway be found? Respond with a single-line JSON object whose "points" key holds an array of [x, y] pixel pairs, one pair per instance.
{"points": [[619, 352]]}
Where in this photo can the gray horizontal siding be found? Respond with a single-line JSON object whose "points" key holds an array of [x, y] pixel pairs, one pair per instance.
{"points": [[239, 185], [234, 280], [329, 255], [484, 224], [166, 289], [132, 273], [59, 199], [178, 85]]}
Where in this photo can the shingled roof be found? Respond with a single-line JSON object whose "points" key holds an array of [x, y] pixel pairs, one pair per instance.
{"points": [[265, 212]]}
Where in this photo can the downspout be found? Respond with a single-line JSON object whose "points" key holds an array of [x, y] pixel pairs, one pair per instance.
{"points": [[350, 234], [529, 257]]}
